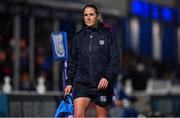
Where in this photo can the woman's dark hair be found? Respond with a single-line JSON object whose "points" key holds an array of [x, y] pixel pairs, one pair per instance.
{"points": [[92, 6]]}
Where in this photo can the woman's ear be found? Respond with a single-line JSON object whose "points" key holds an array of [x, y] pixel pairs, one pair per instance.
{"points": [[100, 18]]}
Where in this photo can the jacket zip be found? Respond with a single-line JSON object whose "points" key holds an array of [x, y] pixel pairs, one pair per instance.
{"points": [[90, 49]]}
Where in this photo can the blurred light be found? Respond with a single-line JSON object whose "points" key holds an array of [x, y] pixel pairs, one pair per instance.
{"points": [[140, 8], [167, 14], [155, 11], [136, 7]]}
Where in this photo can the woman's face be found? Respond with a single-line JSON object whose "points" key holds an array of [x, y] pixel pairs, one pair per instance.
{"points": [[90, 17]]}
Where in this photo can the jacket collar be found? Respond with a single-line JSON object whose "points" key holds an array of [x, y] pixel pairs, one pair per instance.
{"points": [[95, 30]]}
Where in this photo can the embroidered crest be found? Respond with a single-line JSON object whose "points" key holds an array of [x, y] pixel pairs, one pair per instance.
{"points": [[101, 42], [103, 98]]}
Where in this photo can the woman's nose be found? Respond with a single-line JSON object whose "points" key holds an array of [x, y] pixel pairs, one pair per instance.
{"points": [[88, 18]]}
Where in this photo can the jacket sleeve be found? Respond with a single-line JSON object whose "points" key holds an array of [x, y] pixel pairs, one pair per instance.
{"points": [[72, 64], [114, 65]]}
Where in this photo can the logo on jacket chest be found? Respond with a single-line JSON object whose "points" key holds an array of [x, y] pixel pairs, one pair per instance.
{"points": [[101, 42]]}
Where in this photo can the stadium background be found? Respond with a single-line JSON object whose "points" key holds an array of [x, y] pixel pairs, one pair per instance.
{"points": [[148, 31]]}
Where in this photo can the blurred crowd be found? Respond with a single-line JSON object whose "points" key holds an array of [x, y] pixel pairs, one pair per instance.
{"points": [[42, 61], [140, 69]]}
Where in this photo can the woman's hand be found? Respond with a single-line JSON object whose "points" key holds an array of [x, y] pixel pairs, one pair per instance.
{"points": [[68, 89], [103, 83]]}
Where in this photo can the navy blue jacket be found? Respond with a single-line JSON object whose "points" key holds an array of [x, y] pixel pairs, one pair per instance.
{"points": [[94, 55]]}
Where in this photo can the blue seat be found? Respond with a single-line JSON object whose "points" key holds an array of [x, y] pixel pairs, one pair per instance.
{"points": [[3, 105]]}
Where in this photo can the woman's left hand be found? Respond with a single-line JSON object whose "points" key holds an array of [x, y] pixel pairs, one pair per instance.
{"points": [[103, 83]]}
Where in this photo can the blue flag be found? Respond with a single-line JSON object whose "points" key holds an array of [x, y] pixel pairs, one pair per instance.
{"points": [[65, 107]]}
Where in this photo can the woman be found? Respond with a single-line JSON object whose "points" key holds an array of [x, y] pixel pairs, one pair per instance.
{"points": [[92, 66]]}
